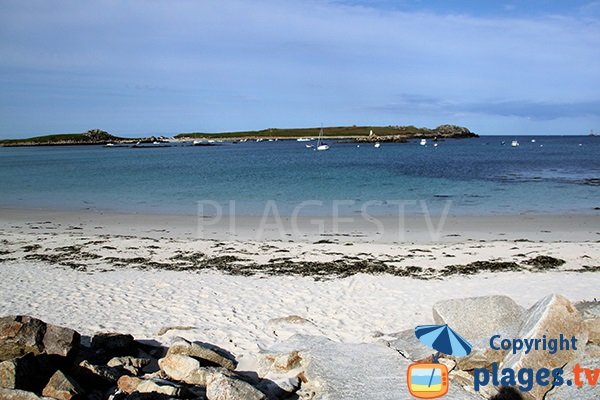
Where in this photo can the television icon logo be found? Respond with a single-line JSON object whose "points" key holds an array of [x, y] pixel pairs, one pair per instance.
{"points": [[427, 380]]}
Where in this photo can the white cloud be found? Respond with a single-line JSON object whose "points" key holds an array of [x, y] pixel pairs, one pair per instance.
{"points": [[310, 54]]}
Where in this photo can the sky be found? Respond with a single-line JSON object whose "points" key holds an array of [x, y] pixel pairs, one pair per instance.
{"points": [[142, 67]]}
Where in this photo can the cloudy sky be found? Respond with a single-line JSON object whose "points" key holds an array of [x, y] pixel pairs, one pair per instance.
{"points": [[167, 66]]}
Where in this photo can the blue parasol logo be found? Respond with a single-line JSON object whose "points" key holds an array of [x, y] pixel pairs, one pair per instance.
{"points": [[443, 339]]}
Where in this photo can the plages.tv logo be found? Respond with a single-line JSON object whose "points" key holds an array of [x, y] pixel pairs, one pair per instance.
{"points": [[430, 380]]}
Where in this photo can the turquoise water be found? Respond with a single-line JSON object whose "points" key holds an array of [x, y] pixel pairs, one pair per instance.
{"points": [[472, 176]]}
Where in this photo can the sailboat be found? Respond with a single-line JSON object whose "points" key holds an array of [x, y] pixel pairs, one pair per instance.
{"points": [[321, 146]]}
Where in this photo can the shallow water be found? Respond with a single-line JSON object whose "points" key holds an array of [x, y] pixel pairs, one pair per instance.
{"points": [[470, 176]]}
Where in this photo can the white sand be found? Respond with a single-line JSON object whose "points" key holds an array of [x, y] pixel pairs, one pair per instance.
{"points": [[238, 313], [243, 314]]}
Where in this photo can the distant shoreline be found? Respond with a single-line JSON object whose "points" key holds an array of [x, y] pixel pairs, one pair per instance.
{"points": [[352, 133]]}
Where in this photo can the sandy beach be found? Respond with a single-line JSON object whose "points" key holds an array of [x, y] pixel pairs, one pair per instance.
{"points": [[145, 274]]}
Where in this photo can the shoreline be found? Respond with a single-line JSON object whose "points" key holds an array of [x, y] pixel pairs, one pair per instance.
{"points": [[414, 228]]}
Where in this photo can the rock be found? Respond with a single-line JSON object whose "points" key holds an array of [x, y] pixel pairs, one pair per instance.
{"points": [[160, 386], [465, 380], [335, 371], [453, 131], [61, 341], [96, 376], [179, 367], [20, 335], [131, 384], [479, 317], [277, 363], [592, 326], [590, 310], [481, 356], [17, 373], [589, 359], [346, 371], [223, 387], [551, 316], [407, 344], [15, 394], [492, 315], [114, 344], [128, 384], [203, 351], [279, 387], [61, 387], [187, 369], [130, 364]]}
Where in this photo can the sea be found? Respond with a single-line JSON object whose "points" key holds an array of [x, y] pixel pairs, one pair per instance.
{"points": [[480, 176]]}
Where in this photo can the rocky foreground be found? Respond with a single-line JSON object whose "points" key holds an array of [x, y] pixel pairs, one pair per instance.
{"points": [[41, 359]]}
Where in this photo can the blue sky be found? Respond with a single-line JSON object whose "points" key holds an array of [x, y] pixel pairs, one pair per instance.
{"points": [[167, 66]]}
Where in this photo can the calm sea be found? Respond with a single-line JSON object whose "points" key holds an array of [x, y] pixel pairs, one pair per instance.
{"points": [[471, 176]]}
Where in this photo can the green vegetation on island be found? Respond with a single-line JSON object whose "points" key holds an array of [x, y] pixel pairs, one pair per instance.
{"points": [[340, 132], [93, 136]]}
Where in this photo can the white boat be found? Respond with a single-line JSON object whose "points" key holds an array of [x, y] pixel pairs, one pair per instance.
{"points": [[532, 140], [377, 145], [309, 146], [514, 143], [435, 145], [423, 142], [320, 145], [203, 142], [109, 145], [303, 139]]}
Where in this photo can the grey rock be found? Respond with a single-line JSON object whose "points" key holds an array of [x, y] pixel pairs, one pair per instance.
{"points": [[407, 344], [62, 387], [336, 371], [203, 351], [347, 371], [61, 341], [487, 316], [479, 317], [551, 316], [224, 387]]}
